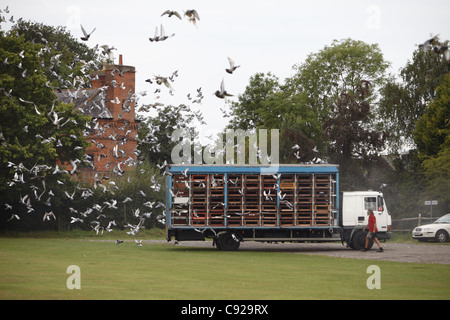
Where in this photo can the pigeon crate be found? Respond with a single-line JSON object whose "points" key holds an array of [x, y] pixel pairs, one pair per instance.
{"points": [[286, 218], [304, 208], [287, 221], [216, 208], [251, 219], [234, 219], [304, 201], [269, 207], [234, 193], [251, 185], [198, 177], [216, 192], [251, 207], [322, 199], [180, 178], [269, 182], [322, 222], [199, 193], [180, 217], [216, 181], [304, 181], [286, 207], [269, 218], [181, 193], [231, 207], [304, 216], [201, 207], [216, 219], [304, 222], [305, 193], [287, 185], [181, 185], [251, 182], [322, 178], [198, 200], [234, 181], [322, 185], [198, 217], [322, 209]]}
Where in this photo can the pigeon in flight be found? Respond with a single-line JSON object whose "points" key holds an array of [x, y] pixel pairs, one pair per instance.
{"points": [[232, 66], [86, 35], [162, 35], [192, 16], [222, 92], [171, 13]]}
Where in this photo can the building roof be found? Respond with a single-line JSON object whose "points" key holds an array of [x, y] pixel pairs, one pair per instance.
{"points": [[90, 102]]}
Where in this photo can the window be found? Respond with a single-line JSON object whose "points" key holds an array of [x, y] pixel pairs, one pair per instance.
{"points": [[370, 203], [380, 204]]}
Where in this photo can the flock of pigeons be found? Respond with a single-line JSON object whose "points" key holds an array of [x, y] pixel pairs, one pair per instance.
{"points": [[95, 214], [438, 47], [39, 191]]}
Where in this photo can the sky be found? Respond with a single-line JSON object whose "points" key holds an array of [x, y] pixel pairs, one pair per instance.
{"points": [[260, 36]]}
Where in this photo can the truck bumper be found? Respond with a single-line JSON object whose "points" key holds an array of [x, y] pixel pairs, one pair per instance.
{"points": [[384, 235]]}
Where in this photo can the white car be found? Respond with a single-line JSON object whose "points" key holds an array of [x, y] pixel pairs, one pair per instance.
{"points": [[438, 230]]}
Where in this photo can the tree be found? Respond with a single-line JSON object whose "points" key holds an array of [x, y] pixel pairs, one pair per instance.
{"points": [[338, 68], [267, 104], [432, 137], [36, 131], [404, 102], [155, 133], [66, 61], [354, 144]]}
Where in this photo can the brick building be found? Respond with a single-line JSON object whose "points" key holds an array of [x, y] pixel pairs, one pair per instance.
{"points": [[113, 135]]}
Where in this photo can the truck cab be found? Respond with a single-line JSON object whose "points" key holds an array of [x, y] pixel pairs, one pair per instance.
{"points": [[354, 215]]}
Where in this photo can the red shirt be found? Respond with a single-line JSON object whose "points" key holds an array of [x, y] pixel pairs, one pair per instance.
{"points": [[372, 222]]}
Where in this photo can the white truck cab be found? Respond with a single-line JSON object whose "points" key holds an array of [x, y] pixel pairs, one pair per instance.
{"points": [[354, 208]]}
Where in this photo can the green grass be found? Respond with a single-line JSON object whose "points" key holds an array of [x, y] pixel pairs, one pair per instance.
{"points": [[35, 268]]}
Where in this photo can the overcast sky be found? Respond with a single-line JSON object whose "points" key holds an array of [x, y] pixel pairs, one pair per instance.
{"points": [[260, 36]]}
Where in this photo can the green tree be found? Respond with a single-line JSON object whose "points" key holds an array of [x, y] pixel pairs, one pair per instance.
{"points": [[432, 137], [66, 61], [267, 104], [354, 144], [338, 68], [405, 100], [35, 130], [155, 133]]}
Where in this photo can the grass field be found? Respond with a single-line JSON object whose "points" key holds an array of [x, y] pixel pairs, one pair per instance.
{"points": [[35, 268]]}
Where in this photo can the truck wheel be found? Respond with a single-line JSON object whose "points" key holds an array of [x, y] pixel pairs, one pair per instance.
{"points": [[359, 241], [228, 242], [441, 236]]}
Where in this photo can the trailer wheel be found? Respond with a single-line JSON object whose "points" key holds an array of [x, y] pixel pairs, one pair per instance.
{"points": [[359, 241], [228, 242]]}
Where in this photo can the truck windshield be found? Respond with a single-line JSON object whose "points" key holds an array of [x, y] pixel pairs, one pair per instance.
{"points": [[370, 203]]}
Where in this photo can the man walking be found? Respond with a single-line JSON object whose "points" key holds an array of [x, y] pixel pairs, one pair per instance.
{"points": [[372, 234]]}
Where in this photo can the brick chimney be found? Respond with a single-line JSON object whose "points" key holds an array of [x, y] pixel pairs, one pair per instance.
{"points": [[120, 80]]}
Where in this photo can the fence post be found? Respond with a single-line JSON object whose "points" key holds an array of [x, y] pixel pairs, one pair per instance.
{"points": [[419, 221]]}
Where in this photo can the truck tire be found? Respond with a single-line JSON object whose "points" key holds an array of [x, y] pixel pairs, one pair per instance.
{"points": [[228, 242], [359, 241]]}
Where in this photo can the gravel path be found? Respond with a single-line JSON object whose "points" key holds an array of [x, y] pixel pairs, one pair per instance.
{"points": [[398, 252]]}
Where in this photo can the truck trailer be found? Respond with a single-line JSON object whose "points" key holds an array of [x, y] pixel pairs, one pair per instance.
{"points": [[293, 203]]}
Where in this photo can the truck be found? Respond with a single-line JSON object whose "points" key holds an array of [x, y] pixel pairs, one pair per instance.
{"points": [[231, 204]]}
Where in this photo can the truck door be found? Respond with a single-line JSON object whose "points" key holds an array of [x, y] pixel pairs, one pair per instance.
{"points": [[382, 214], [370, 203]]}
